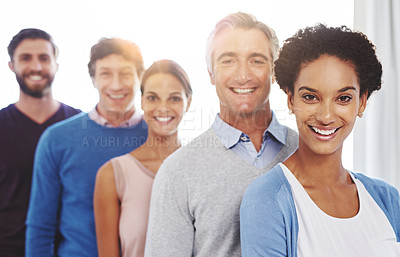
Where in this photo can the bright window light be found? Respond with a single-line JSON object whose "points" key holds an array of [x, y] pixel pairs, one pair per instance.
{"points": [[173, 29]]}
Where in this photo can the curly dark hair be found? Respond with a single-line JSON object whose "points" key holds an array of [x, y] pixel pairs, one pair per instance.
{"points": [[310, 43]]}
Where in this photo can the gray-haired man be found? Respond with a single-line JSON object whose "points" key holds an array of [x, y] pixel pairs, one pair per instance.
{"points": [[197, 191]]}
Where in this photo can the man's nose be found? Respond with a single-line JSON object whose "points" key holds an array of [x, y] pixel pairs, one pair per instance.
{"points": [[36, 65], [244, 72], [116, 83]]}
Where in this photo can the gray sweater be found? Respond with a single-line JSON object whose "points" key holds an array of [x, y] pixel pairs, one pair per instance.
{"points": [[196, 197]]}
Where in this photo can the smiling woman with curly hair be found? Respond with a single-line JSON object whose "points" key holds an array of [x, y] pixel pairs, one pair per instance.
{"points": [[310, 205]]}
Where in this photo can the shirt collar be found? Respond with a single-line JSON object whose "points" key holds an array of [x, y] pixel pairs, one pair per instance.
{"points": [[136, 118], [230, 136], [277, 130]]}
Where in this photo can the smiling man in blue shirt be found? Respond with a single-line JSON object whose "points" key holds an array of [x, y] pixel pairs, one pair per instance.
{"points": [[197, 191], [60, 220]]}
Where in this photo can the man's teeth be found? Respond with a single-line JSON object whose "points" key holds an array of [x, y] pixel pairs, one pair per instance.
{"points": [[324, 132], [117, 96], [163, 119], [243, 90], [35, 77]]}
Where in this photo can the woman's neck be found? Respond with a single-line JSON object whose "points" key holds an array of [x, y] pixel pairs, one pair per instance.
{"points": [[312, 168], [155, 150], [162, 145]]}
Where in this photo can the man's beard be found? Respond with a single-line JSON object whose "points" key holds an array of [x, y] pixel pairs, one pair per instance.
{"points": [[38, 93]]}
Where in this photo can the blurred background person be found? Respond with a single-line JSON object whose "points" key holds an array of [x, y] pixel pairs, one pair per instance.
{"points": [[60, 220], [33, 59], [123, 185]]}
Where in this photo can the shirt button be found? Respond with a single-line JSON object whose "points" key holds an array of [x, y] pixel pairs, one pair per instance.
{"points": [[256, 159]]}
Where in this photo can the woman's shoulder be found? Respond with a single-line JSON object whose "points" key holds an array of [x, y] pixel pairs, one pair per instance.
{"points": [[272, 185], [271, 195], [376, 185], [384, 194]]}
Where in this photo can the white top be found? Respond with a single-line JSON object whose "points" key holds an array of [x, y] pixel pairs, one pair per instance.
{"points": [[368, 233]]}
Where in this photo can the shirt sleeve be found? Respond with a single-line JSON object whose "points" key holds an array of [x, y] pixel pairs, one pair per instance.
{"points": [[42, 217], [263, 229], [170, 229]]}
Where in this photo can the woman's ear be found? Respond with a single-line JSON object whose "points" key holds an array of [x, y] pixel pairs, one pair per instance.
{"points": [[363, 104], [189, 101], [290, 99]]}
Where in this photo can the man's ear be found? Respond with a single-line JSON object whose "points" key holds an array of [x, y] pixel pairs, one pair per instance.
{"points": [[93, 81], [212, 79], [11, 66]]}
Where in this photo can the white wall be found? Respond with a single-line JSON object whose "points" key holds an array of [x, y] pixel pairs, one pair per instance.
{"points": [[171, 29]]}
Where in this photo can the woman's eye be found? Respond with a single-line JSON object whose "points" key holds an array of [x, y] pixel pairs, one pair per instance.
{"points": [[345, 98], [309, 97], [176, 98], [151, 98]]}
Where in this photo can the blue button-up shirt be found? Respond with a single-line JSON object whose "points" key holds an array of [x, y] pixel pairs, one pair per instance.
{"points": [[240, 143]]}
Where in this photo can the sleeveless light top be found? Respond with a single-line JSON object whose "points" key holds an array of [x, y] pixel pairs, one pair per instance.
{"points": [[133, 183], [367, 234]]}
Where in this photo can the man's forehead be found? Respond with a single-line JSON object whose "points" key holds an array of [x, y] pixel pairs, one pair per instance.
{"points": [[34, 46], [114, 61], [241, 41]]}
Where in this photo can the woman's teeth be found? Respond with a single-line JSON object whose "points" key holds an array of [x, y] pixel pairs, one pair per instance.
{"points": [[163, 119], [324, 132]]}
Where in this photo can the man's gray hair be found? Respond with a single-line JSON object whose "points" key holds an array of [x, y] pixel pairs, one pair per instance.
{"points": [[240, 20]]}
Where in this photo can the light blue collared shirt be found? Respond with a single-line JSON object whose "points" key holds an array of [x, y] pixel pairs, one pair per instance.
{"points": [[239, 143]]}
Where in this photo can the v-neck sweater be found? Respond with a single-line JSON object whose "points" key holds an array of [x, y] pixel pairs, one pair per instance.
{"points": [[19, 135], [196, 196]]}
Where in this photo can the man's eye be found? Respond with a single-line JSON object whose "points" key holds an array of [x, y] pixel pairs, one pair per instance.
{"points": [[104, 74], [127, 75], [44, 58], [258, 61], [25, 58], [227, 61]]}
